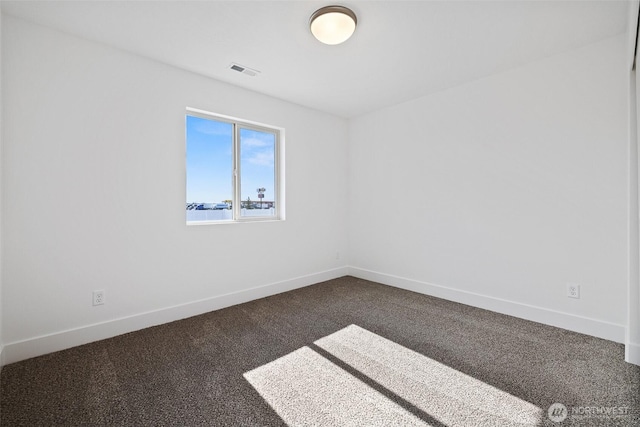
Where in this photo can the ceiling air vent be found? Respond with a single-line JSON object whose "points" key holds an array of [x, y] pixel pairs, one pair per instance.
{"points": [[244, 70]]}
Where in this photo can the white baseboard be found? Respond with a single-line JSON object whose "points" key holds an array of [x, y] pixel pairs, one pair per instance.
{"points": [[632, 353], [37, 346], [584, 325]]}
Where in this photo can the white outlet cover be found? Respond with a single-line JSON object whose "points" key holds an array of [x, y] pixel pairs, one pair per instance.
{"points": [[98, 297], [573, 290]]}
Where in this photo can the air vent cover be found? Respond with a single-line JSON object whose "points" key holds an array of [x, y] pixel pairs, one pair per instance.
{"points": [[244, 70]]}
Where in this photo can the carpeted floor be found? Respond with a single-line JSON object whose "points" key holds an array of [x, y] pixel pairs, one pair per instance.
{"points": [[342, 352]]}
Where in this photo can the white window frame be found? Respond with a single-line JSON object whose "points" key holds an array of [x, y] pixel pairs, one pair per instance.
{"points": [[237, 125]]}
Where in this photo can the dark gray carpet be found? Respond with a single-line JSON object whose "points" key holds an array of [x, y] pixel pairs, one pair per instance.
{"points": [[192, 372]]}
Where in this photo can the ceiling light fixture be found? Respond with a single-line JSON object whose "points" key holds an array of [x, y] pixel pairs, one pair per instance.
{"points": [[333, 24]]}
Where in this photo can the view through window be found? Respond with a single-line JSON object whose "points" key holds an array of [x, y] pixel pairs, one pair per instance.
{"points": [[232, 170]]}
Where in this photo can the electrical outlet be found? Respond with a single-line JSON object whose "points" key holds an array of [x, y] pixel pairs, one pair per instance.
{"points": [[98, 297], [573, 290]]}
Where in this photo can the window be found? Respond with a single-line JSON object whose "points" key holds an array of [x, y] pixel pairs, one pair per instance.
{"points": [[233, 169]]}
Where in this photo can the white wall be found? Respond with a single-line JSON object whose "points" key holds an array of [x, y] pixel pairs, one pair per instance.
{"points": [[495, 193], [94, 192], [632, 338], [1, 197], [501, 191]]}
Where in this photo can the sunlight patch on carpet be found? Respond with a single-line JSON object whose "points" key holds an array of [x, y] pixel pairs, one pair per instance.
{"points": [[306, 388]]}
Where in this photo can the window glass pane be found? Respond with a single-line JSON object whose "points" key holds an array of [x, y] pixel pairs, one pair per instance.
{"points": [[257, 173], [209, 170]]}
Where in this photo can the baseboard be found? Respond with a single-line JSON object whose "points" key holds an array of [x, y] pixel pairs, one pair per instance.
{"points": [[38, 346], [632, 353], [584, 325]]}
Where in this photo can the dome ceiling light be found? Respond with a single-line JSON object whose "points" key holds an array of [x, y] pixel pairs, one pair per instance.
{"points": [[333, 24]]}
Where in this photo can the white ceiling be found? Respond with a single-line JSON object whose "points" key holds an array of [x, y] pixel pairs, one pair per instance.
{"points": [[400, 51]]}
